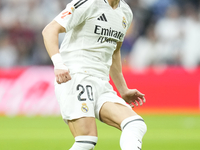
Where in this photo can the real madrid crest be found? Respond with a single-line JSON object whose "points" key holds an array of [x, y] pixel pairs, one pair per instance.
{"points": [[124, 23], [84, 108]]}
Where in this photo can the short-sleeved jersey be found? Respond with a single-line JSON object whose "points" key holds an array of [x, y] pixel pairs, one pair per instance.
{"points": [[93, 29]]}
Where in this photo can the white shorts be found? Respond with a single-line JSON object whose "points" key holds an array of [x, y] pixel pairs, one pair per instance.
{"points": [[84, 95]]}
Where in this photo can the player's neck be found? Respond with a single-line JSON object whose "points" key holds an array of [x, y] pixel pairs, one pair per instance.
{"points": [[113, 3]]}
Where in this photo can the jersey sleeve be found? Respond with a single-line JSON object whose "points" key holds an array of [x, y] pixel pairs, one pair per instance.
{"points": [[127, 23], [130, 20], [74, 14]]}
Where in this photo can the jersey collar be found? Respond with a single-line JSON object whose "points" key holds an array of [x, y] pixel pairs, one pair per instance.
{"points": [[106, 1]]}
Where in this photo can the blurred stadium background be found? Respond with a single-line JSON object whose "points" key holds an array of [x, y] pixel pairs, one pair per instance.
{"points": [[160, 57]]}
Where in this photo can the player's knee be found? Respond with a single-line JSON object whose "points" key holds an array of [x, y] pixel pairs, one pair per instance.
{"points": [[136, 124], [84, 143]]}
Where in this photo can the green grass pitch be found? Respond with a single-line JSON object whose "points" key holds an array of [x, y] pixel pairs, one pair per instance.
{"points": [[165, 132]]}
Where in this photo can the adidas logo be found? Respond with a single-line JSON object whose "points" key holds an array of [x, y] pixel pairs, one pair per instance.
{"points": [[102, 18]]}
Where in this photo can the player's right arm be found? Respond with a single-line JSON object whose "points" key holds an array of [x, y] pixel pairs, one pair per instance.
{"points": [[50, 35]]}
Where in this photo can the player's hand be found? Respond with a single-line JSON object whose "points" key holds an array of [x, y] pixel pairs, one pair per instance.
{"points": [[134, 97], [62, 75], [60, 69]]}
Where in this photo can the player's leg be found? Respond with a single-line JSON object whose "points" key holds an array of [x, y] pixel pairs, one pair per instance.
{"points": [[84, 131], [77, 109], [124, 118], [83, 126]]}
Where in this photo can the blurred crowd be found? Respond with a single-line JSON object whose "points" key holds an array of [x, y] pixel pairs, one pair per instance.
{"points": [[21, 25], [163, 33]]}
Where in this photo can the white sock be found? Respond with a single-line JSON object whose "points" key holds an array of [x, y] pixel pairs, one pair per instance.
{"points": [[133, 130], [84, 143]]}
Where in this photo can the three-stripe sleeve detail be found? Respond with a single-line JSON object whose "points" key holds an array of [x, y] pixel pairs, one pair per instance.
{"points": [[79, 3]]}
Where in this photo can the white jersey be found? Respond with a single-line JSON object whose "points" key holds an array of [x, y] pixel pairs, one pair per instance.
{"points": [[93, 29]]}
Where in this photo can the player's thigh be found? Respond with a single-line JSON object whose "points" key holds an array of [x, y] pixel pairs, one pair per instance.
{"points": [[83, 126], [114, 113]]}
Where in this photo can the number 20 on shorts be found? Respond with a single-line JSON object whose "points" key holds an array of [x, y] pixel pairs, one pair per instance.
{"points": [[82, 89]]}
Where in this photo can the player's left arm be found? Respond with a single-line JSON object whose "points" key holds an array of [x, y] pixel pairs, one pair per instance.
{"points": [[129, 95]]}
